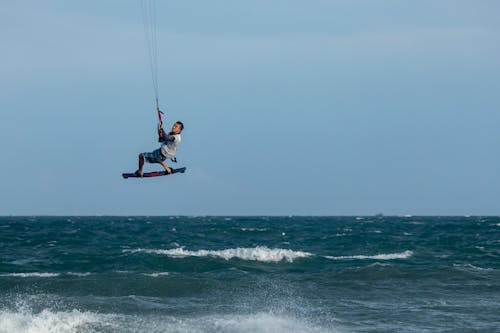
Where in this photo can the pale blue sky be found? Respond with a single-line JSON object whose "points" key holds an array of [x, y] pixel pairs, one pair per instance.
{"points": [[290, 107]]}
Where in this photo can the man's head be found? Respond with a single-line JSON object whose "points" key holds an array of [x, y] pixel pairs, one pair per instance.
{"points": [[177, 127]]}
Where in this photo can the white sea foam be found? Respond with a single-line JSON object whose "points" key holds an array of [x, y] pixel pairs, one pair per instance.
{"points": [[253, 229], [156, 274], [390, 256], [79, 274], [46, 321], [259, 253], [471, 267], [44, 275], [76, 321], [33, 274]]}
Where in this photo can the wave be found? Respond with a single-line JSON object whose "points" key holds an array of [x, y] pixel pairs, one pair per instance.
{"points": [[403, 255], [263, 254], [44, 275], [469, 267], [259, 253], [48, 321], [254, 229], [33, 274], [79, 274], [156, 274]]}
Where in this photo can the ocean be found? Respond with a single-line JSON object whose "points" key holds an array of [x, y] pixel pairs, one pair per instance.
{"points": [[249, 274]]}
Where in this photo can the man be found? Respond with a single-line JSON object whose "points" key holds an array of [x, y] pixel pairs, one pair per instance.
{"points": [[167, 149]]}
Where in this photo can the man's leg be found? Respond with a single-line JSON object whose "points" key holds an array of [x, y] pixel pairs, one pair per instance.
{"points": [[167, 169], [141, 164]]}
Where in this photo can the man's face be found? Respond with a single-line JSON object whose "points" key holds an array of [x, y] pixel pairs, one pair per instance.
{"points": [[176, 129]]}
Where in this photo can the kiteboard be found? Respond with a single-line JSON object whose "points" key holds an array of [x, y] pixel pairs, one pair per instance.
{"points": [[154, 173]]}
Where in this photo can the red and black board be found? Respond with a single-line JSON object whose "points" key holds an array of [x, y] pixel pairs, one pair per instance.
{"points": [[153, 174]]}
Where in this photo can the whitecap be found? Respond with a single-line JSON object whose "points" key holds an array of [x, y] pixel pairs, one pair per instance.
{"points": [[253, 229], [79, 274], [470, 266], [156, 274], [24, 319], [45, 321], [32, 274], [403, 255], [259, 253]]}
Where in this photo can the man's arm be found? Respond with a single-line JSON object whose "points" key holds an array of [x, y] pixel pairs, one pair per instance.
{"points": [[161, 134]]}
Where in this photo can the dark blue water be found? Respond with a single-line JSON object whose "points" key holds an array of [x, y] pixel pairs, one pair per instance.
{"points": [[249, 274]]}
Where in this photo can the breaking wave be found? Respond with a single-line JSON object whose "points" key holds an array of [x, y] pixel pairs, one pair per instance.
{"points": [[156, 274], [46, 321], [259, 253], [30, 275], [390, 256], [76, 321]]}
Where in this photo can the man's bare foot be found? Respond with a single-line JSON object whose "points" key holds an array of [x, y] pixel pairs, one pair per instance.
{"points": [[168, 170], [139, 173]]}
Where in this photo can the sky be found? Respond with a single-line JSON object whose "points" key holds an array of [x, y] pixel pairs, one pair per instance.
{"points": [[290, 107]]}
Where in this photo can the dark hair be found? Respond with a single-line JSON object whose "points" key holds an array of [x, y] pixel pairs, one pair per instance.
{"points": [[180, 123]]}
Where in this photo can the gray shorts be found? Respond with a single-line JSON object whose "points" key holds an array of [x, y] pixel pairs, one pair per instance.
{"points": [[154, 156]]}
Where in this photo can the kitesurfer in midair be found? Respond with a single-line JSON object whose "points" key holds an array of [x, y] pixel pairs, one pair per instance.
{"points": [[166, 151]]}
